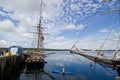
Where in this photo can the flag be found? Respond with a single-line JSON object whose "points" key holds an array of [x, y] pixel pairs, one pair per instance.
{"points": [[42, 37]]}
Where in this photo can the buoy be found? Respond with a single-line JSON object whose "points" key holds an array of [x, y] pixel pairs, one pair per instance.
{"points": [[91, 64]]}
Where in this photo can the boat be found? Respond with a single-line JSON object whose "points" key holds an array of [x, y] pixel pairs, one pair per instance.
{"points": [[62, 72], [35, 59], [113, 63]]}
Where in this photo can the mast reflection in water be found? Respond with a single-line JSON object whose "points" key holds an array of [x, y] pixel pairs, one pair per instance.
{"points": [[36, 72]]}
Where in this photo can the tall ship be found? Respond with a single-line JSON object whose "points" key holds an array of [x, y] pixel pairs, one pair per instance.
{"points": [[35, 58]]}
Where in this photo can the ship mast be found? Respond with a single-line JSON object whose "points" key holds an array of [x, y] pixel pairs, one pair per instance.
{"points": [[39, 32], [38, 56]]}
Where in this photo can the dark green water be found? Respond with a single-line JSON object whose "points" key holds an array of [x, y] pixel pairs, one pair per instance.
{"points": [[82, 68]]}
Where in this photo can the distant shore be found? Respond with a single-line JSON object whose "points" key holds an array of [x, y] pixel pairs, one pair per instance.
{"points": [[55, 49]]}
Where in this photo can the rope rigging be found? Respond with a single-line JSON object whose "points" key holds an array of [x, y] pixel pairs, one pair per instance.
{"points": [[111, 29], [85, 30], [106, 38]]}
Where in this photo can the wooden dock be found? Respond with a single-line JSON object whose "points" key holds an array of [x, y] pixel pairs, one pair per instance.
{"points": [[11, 66]]}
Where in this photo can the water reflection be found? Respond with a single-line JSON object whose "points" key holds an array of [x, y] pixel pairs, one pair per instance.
{"points": [[36, 72], [110, 70], [80, 66], [36, 76], [83, 69], [9, 74], [109, 66]]}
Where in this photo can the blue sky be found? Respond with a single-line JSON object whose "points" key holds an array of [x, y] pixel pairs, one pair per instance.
{"points": [[64, 20]]}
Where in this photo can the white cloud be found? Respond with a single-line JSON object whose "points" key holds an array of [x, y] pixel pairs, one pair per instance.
{"points": [[55, 5], [13, 35], [27, 12], [104, 30], [59, 38], [6, 26], [73, 27], [3, 42], [29, 7], [100, 0], [60, 42]]}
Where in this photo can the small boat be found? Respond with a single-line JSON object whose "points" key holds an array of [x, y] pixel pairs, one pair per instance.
{"points": [[62, 72]]}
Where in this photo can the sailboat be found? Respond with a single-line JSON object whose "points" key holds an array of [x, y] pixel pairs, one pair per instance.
{"points": [[36, 58], [113, 63]]}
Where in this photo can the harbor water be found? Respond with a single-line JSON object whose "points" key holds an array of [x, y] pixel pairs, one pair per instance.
{"points": [[82, 68]]}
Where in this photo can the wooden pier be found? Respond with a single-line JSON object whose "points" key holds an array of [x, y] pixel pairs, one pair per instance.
{"points": [[11, 66]]}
